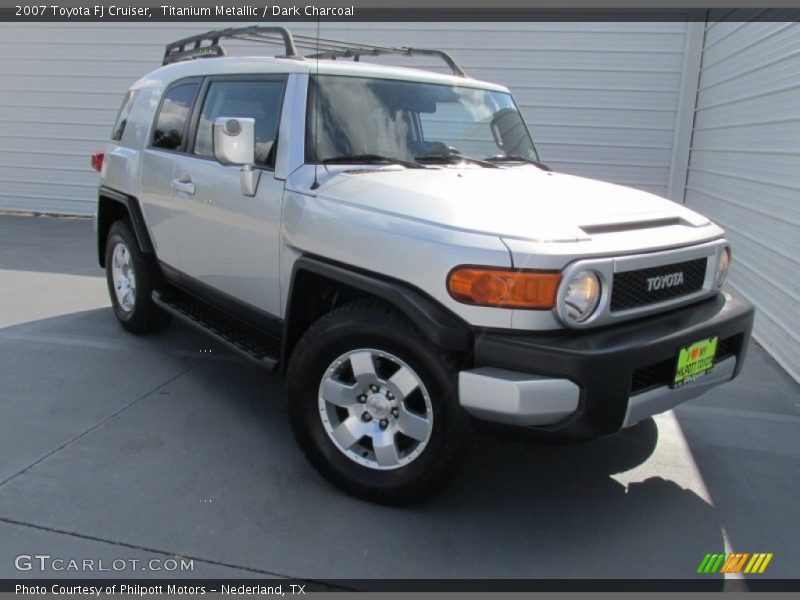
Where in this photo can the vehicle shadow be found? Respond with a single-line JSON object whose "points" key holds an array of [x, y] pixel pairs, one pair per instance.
{"points": [[565, 501], [542, 511], [744, 439]]}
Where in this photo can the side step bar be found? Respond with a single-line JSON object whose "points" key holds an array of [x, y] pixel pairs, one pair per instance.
{"points": [[250, 343]]}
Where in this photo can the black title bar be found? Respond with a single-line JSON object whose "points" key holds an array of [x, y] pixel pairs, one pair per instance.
{"points": [[257, 12]]}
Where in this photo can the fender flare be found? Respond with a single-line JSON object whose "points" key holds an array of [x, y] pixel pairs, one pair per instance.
{"points": [[440, 325], [134, 211]]}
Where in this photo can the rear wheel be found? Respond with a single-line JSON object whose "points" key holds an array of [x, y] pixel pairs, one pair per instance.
{"points": [[373, 405], [131, 277]]}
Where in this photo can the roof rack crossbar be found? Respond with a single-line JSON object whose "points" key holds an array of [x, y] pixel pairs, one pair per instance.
{"points": [[207, 45], [178, 51], [336, 43], [355, 53]]}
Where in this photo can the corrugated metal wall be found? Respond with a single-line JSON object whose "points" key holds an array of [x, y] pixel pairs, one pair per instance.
{"points": [[600, 98], [744, 168]]}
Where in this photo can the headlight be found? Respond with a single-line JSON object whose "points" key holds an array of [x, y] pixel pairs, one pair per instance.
{"points": [[582, 296], [723, 263]]}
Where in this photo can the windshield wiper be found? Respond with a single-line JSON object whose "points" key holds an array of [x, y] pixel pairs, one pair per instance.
{"points": [[517, 158], [371, 159], [453, 157]]}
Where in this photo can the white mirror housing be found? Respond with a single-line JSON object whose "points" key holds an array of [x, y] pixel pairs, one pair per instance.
{"points": [[235, 140]]}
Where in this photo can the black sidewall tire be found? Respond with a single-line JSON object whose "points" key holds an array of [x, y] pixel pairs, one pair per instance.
{"points": [[334, 337], [115, 238], [146, 316]]}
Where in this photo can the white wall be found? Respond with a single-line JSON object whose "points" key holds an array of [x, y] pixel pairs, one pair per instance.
{"points": [[744, 170], [600, 98]]}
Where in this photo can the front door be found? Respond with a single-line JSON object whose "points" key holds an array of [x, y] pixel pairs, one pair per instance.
{"points": [[225, 239]]}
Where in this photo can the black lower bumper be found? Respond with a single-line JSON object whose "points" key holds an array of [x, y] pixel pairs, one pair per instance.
{"points": [[613, 363]]}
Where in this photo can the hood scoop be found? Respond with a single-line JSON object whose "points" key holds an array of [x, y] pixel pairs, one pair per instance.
{"points": [[371, 170], [630, 226]]}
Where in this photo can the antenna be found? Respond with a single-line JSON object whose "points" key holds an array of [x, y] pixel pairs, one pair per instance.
{"points": [[315, 185]]}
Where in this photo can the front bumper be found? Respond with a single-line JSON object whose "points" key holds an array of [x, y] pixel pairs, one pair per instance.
{"points": [[591, 383]]}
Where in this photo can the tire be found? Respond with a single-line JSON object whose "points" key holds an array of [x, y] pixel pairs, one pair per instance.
{"points": [[131, 277], [414, 383]]}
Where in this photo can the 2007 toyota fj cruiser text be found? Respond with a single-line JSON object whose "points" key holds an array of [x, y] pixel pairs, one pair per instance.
{"points": [[388, 239]]}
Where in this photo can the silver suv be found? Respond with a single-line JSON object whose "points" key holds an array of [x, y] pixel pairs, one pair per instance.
{"points": [[388, 240]]}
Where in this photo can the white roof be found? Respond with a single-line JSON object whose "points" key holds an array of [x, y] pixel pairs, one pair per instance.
{"points": [[261, 64]]}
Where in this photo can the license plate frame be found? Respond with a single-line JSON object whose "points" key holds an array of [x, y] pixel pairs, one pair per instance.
{"points": [[694, 361]]}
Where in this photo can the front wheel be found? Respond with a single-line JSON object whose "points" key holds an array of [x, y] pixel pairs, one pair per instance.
{"points": [[373, 405]]}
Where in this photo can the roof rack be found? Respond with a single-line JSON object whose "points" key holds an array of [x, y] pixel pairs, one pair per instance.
{"points": [[206, 45]]}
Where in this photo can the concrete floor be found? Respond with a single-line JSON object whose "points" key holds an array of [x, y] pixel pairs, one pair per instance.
{"points": [[114, 446]]}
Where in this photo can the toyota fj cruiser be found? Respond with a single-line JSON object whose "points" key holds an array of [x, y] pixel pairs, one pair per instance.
{"points": [[388, 240]]}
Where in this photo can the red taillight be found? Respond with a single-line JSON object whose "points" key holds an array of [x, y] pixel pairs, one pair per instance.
{"points": [[97, 160]]}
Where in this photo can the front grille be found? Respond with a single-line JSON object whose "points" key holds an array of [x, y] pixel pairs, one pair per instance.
{"points": [[632, 288], [660, 374]]}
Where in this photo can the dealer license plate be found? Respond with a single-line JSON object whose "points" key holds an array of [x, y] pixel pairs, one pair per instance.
{"points": [[695, 361]]}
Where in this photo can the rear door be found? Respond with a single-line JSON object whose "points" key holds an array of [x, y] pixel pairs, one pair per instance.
{"points": [[226, 240], [167, 141]]}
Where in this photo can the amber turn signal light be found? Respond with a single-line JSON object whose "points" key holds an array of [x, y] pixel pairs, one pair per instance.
{"points": [[504, 288]]}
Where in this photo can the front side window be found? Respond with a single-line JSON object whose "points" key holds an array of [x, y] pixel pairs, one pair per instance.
{"points": [[411, 121], [122, 116], [259, 100], [170, 129]]}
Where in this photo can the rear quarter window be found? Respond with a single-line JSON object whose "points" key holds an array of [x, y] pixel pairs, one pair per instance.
{"points": [[173, 117], [123, 114]]}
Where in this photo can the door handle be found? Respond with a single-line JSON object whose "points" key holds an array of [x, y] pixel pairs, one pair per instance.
{"points": [[183, 184]]}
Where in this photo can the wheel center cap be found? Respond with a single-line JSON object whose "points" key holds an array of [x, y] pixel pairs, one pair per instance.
{"points": [[378, 406]]}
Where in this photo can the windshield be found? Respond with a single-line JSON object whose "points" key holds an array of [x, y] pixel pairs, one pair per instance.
{"points": [[357, 117]]}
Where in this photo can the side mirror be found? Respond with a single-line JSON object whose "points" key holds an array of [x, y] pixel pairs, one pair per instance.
{"points": [[235, 144], [235, 140]]}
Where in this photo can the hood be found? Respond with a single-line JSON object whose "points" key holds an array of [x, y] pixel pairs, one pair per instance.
{"points": [[519, 202]]}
